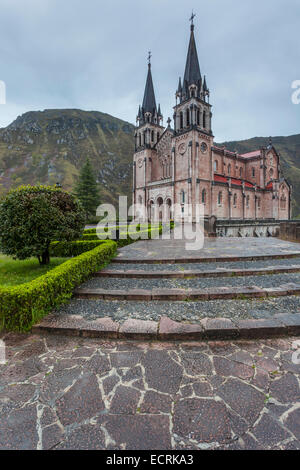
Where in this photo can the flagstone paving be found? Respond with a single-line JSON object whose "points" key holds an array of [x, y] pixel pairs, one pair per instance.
{"points": [[152, 250], [61, 392]]}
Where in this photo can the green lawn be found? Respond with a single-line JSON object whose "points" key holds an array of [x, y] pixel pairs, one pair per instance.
{"points": [[17, 272]]}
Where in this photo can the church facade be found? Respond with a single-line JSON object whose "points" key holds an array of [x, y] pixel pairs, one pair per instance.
{"points": [[181, 164]]}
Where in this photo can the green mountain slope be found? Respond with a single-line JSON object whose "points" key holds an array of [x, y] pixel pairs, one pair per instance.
{"points": [[289, 150], [50, 146]]}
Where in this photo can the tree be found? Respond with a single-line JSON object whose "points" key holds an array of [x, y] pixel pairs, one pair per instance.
{"points": [[31, 217], [86, 189]]}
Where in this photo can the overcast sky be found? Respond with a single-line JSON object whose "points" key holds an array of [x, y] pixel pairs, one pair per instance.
{"points": [[92, 55]]}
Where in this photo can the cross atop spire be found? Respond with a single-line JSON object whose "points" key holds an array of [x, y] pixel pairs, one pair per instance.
{"points": [[192, 73], [149, 103], [192, 20], [149, 57]]}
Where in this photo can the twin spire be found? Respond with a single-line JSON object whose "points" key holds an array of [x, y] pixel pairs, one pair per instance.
{"points": [[193, 85], [148, 112]]}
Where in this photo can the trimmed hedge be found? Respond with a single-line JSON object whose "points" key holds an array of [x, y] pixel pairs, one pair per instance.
{"points": [[22, 306], [89, 236], [144, 226], [90, 241], [70, 249]]}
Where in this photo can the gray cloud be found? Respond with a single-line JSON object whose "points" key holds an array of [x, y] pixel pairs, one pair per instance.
{"points": [[92, 55]]}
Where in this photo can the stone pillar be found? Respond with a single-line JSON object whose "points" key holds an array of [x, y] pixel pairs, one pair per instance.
{"points": [[229, 198], [195, 179], [134, 185], [173, 175], [190, 174], [243, 198]]}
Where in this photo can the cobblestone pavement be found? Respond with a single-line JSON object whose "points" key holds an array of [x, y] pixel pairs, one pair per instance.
{"points": [[218, 247], [292, 262], [59, 392], [268, 280], [192, 312]]}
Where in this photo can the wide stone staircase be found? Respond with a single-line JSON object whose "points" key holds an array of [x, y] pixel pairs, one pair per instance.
{"points": [[157, 289]]}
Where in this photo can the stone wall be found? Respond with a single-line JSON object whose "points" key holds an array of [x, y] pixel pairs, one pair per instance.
{"points": [[247, 228], [290, 230]]}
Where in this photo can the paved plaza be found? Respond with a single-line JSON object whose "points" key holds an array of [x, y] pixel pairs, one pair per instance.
{"points": [[78, 393]]}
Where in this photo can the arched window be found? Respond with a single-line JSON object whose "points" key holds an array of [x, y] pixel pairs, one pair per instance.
{"points": [[182, 197], [152, 136], [140, 140], [241, 172], [283, 202], [187, 117], [203, 199], [229, 169], [258, 202], [253, 172], [220, 198], [216, 165], [204, 119], [181, 120], [140, 200], [247, 201], [198, 117], [234, 200]]}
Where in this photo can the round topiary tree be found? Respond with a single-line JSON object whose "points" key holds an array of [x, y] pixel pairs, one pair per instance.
{"points": [[31, 217]]}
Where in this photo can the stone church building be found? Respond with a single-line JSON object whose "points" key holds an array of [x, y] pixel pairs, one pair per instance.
{"points": [[181, 165]]}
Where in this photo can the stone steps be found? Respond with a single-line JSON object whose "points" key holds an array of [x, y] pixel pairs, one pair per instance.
{"points": [[187, 294], [121, 259], [190, 273], [167, 329], [230, 290]]}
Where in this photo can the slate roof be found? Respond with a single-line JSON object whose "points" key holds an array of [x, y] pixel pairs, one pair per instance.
{"points": [[149, 102]]}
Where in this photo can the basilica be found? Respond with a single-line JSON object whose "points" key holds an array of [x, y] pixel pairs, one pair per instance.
{"points": [[180, 164]]}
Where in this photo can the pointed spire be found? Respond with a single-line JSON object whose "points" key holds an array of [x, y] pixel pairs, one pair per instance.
{"points": [[192, 73], [204, 84], [179, 89], [149, 103]]}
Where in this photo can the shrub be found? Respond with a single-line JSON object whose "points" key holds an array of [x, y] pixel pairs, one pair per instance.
{"points": [[89, 236], [70, 249], [22, 306], [31, 217]]}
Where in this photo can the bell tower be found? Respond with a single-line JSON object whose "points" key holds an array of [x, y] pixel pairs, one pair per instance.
{"points": [[192, 110], [149, 118], [148, 131]]}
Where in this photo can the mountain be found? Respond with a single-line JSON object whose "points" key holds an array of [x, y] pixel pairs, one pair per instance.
{"points": [[289, 150], [50, 146]]}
